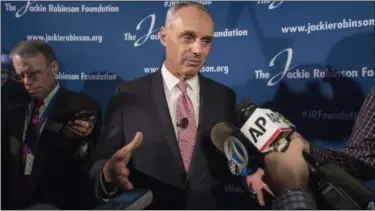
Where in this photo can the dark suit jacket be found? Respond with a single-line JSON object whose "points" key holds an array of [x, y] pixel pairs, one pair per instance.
{"points": [[157, 164], [60, 174], [12, 93]]}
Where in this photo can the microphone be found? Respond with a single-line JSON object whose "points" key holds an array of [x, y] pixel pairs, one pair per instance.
{"points": [[184, 123], [229, 140], [240, 153], [266, 131], [269, 131]]}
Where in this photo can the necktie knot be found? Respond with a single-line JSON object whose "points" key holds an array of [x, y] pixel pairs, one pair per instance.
{"points": [[182, 85]]}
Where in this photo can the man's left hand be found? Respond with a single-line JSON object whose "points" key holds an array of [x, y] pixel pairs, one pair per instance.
{"points": [[256, 185], [81, 128]]}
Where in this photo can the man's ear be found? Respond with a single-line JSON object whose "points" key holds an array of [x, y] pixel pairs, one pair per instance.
{"points": [[163, 36], [55, 67]]}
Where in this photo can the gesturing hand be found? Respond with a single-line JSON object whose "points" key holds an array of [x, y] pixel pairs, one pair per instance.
{"points": [[115, 169]]}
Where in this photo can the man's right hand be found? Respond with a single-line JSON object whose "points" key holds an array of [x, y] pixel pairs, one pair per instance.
{"points": [[115, 169], [287, 170], [306, 144]]}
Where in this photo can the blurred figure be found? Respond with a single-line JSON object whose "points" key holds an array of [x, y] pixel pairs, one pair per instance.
{"points": [[12, 95], [12, 92], [357, 156]]}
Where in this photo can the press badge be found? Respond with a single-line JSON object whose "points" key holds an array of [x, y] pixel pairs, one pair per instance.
{"points": [[29, 163]]}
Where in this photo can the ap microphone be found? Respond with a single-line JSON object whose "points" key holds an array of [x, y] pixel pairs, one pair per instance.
{"points": [[184, 123], [240, 153], [243, 158], [265, 129], [336, 188]]}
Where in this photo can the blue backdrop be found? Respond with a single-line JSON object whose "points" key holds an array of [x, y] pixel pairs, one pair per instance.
{"points": [[311, 61]]}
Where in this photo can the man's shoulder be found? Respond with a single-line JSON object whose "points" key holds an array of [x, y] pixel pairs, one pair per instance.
{"points": [[129, 92], [78, 98], [219, 87], [135, 85]]}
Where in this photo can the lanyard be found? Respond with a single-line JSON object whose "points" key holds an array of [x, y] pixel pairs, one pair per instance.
{"points": [[44, 116]]}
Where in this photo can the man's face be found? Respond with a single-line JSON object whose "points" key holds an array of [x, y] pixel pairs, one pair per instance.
{"points": [[35, 75], [187, 40]]}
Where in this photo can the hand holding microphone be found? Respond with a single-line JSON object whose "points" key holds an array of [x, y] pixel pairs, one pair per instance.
{"points": [[262, 131], [115, 169], [287, 170]]}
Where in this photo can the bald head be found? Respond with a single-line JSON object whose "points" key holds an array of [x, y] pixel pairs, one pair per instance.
{"points": [[187, 37], [173, 9]]}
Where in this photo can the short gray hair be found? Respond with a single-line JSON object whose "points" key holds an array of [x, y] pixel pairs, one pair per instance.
{"points": [[174, 8], [31, 48]]}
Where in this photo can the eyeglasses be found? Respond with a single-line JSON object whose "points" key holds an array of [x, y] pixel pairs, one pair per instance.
{"points": [[32, 75]]}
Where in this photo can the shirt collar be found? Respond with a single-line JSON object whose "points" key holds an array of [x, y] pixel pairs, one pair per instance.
{"points": [[51, 94], [171, 81]]}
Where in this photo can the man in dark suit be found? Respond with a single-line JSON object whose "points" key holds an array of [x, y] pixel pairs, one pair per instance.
{"points": [[174, 111], [48, 143]]}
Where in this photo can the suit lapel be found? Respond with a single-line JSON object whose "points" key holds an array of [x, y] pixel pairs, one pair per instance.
{"points": [[41, 158], [161, 104], [28, 117]]}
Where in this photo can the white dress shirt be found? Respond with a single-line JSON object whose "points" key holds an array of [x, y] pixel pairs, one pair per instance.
{"points": [[42, 109], [172, 92], [48, 99]]}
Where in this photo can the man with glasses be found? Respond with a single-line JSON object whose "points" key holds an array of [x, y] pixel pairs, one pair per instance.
{"points": [[50, 135]]}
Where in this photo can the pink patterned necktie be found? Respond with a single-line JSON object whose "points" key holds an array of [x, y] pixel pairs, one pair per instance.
{"points": [[186, 136]]}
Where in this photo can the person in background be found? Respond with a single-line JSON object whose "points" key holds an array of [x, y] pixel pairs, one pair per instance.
{"points": [[12, 95], [50, 136], [12, 92], [357, 156]]}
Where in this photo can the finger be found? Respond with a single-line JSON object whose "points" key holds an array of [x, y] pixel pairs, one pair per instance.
{"points": [[134, 144], [125, 183], [259, 172], [296, 146], [266, 188], [82, 123], [296, 135], [128, 149], [79, 129], [260, 197], [125, 172], [70, 129]]}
